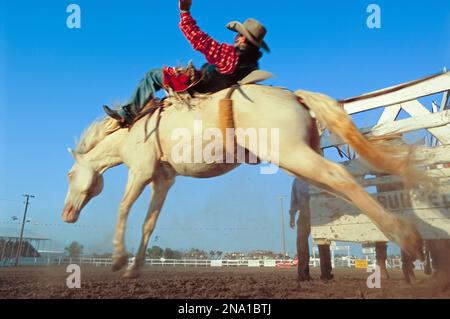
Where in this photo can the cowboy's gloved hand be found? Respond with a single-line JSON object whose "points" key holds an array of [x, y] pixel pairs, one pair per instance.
{"points": [[185, 5]]}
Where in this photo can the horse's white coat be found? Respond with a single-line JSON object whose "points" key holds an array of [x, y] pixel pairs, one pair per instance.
{"points": [[272, 108]]}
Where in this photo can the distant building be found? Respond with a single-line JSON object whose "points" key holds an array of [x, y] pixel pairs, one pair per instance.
{"points": [[32, 250]]}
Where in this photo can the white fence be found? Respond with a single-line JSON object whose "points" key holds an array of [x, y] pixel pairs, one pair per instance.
{"points": [[254, 263], [336, 220], [177, 262], [346, 262]]}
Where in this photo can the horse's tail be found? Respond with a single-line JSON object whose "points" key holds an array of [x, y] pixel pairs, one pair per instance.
{"points": [[394, 159]]}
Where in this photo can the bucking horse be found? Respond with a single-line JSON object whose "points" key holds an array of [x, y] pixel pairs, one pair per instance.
{"points": [[146, 149]]}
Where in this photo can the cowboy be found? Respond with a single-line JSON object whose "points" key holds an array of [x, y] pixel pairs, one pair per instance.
{"points": [[227, 64]]}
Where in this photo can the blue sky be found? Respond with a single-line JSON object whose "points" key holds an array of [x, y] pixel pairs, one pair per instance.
{"points": [[53, 81]]}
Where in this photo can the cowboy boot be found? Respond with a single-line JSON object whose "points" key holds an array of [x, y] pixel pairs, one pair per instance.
{"points": [[325, 263], [123, 116]]}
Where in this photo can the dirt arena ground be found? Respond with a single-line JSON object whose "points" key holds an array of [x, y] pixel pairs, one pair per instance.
{"points": [[210, 283]]}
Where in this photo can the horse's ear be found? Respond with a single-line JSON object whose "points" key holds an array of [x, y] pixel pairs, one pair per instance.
{"points": [[73, 153]]}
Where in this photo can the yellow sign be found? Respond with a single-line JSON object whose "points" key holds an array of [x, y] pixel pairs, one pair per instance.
{"points": [[361, 263]]}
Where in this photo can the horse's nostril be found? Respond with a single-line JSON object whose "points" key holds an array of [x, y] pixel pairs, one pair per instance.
{"points": [[68, 212], [68, 208]]}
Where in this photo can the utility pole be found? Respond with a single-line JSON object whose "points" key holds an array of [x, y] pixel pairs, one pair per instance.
{"points": [[282, 225], [19, 249]]}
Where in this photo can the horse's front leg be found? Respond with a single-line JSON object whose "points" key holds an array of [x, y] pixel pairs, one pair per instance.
{"points": [[134, 188], [160, 188]]}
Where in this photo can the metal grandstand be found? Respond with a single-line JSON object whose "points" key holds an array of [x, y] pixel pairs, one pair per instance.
{"points": [[33, 250]]}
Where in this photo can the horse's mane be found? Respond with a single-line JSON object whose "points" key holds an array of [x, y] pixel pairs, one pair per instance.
{"points": [[95, 133]]}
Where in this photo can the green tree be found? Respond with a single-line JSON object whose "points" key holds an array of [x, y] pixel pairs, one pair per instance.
{"points": [[155, 252], [178, 254], [75, 250], [212, 254], [172, 254], [169, 253], [196, 253]]}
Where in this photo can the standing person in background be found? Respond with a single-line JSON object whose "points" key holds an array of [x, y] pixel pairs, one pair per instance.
{"points": [[300, 203]]}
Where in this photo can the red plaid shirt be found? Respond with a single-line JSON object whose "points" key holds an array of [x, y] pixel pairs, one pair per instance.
{"points": [[222, 55]]}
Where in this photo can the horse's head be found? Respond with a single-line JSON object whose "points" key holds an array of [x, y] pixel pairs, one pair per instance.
{"points": [[84, 184]]}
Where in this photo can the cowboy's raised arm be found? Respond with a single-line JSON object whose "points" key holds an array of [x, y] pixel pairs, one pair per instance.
{"points": [[222, 55]]}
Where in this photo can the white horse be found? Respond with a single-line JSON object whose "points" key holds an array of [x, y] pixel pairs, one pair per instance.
{"points": [[147, 147]]}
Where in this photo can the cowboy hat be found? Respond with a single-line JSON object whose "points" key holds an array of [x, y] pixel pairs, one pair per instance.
{"points": [[252, 30]]}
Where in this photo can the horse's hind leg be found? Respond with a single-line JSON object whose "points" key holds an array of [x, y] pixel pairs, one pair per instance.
{"points": [[381, 256], [440, 256], [314, 143], [303, 161], [407, 267]]}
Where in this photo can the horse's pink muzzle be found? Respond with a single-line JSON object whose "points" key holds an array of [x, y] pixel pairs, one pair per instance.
{"points": [[70, 214]]}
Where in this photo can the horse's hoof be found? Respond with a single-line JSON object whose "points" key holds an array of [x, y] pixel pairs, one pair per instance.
{"points": [[119, 262], [132, 273]]}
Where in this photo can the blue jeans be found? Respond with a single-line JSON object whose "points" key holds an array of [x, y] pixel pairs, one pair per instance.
{"points": [[146, 90]]}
